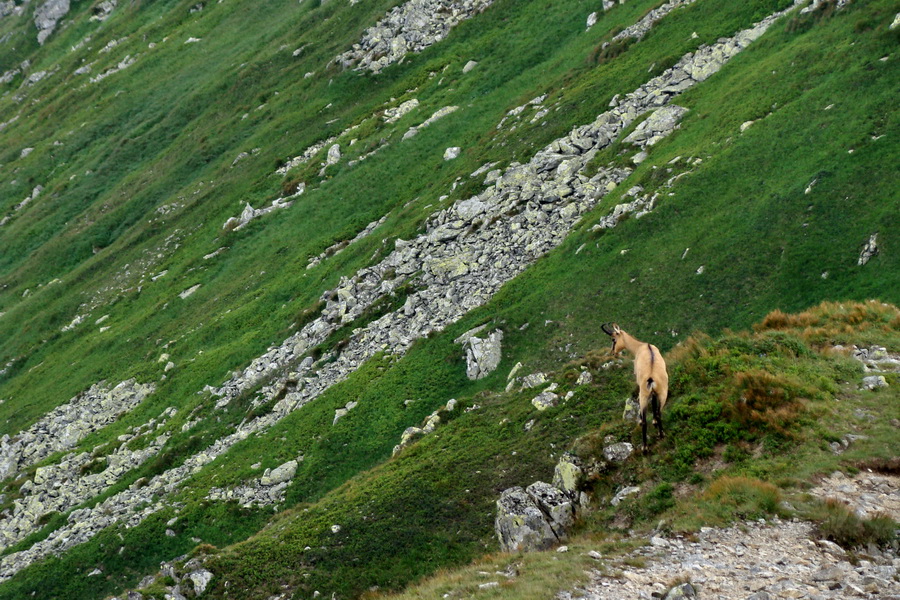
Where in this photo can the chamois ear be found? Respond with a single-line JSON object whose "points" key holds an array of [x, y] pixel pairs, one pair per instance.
{"points": [[616, 329]]}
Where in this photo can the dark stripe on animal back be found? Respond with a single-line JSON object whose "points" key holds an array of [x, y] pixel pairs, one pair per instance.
{"points": [[652, 358]]}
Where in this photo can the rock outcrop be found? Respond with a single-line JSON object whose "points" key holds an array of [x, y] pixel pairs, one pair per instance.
{"points": [[429, 425], [249, 213], [66, 425], [46, 17], [482, 354], [266, 490], [409, 28], [531, 519]]}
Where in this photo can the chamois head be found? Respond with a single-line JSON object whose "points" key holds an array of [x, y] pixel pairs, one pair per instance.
{"points": [[613, 331]]}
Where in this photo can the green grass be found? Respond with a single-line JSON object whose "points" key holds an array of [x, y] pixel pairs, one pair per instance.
{"points": [[166, 132]]}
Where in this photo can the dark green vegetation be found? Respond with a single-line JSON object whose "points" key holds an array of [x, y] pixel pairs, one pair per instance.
{"points": [[165, 131]]}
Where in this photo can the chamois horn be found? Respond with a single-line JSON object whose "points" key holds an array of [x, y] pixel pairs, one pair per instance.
{"points": [[605, 329]]}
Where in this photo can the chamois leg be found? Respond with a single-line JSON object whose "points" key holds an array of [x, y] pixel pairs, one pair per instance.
{"points": [[643, 400], [657, 415]]}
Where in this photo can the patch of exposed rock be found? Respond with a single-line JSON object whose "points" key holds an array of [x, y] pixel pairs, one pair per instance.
{"points": [[541, 515], [46, 17], [181, 578], [749, 561], [56, 488], [249, 213], [535, 518], [266, 490], [103, 10], [482, 354], [640, 29], [409, 28], [867, 494], [67, 424], [429, 425], [870, 249]]}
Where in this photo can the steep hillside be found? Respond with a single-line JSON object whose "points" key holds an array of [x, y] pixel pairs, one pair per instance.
{"points": [[245, 249]]}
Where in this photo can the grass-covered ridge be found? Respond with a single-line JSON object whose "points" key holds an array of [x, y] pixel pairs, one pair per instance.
{"points": [[144, 177]]}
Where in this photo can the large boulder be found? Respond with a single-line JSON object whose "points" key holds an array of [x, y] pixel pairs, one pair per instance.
{"points": [[47, 15], [568, 475], [520, 524], [556, 506], [482, 355], [279, 474]]}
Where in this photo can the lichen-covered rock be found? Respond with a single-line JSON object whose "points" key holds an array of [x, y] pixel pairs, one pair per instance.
{"points": [[520, 524], [483, 355], [618, 453], [869, 250], [873, 382], [545, 400], [394, 114], [657, 126], [200, 579], [47, 16], [409, 28], [556, 506], [279, 474], [568, 475]]}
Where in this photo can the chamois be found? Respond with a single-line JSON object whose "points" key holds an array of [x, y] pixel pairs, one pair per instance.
{"points": [[650, 372]]}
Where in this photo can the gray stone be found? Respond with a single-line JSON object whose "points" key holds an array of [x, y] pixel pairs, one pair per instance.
{"points": [[568, 474], [200, 579], [451, 153], [520, 524], [469, 66], [408, 28], [873, 382], [657, 126], [556, 506], [483, 355], [680, 591], [618, 453], [545, 400], [869, 250], [334, 155], [47, 16], [624, 493], [392, 115], [279, 474]]}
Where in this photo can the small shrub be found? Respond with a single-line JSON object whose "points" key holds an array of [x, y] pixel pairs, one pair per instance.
{"points": [[609, 50], [763, 401], [743, 497], [840, 524], [734, 453], [290, 186]]}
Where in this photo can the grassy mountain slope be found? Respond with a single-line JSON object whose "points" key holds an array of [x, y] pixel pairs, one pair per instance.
{"points": [[164, 134]]}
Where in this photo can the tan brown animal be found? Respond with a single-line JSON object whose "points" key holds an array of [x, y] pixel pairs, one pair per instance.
{"points": [[650, 372]]}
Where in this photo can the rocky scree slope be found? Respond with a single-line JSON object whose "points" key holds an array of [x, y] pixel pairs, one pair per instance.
{"points": [[465, 255]]}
